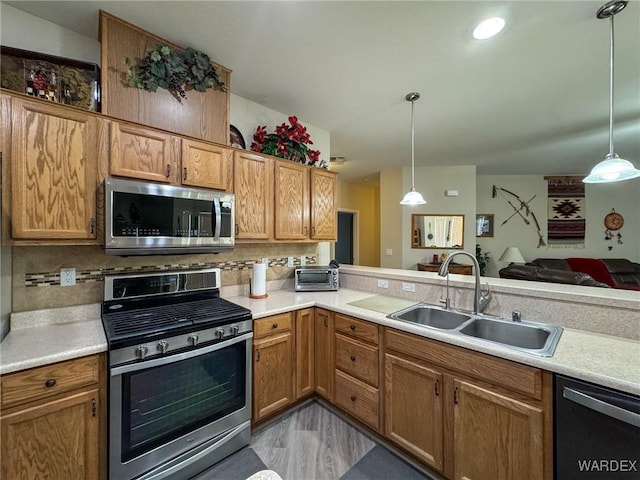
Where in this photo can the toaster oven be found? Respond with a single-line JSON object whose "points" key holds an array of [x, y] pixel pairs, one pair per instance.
{"points": [[316, 279]]}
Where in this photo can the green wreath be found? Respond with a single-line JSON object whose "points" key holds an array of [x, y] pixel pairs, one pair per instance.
{"points": [[174, 71]]}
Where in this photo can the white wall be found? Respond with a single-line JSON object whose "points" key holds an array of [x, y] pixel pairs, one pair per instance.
{"points": [[432, 182], [624, 197], [19, 29]]}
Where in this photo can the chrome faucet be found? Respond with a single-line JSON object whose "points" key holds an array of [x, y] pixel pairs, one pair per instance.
{"points": [[481, 299]]}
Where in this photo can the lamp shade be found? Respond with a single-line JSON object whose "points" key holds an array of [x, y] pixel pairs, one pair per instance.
{"points": [[612, 169], [413, 198], [511, 255]]}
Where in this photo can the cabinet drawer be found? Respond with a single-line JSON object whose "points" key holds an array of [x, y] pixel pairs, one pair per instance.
{"points": [[272, 325], [357, 359], [41, 382], [504, 373], [358, 398], [357, 328]]}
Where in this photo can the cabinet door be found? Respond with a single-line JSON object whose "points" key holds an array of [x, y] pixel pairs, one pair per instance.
{"points": [[253, 185], [413, 408], [58, 439], [324, 205], [53, 172], [495, 436], [304, 352], [142, 153], [291, 201], [324, 353], [272, 374], [206, 165]]}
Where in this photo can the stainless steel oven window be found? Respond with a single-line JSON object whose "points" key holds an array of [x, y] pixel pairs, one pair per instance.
{"points": [[165, 407]]}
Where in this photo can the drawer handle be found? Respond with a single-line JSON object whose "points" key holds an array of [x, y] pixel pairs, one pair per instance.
{"points": [[50, 383], [275, 325], [352, 327], [353, 358], [353, 398]]}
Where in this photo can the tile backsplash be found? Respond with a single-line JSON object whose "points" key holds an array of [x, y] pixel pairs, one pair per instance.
{"points": [[36, 270]]}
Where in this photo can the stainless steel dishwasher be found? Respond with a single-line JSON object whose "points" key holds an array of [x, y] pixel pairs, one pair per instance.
{"points": [[597, 432]]}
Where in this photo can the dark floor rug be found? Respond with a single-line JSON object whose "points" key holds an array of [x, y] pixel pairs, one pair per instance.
{"points": [[238, 466], [381, 464]]}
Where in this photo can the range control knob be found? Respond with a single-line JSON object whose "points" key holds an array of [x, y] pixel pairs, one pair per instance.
{"points": [[235, 329], [163, 346], [220, 332], [193, 339], [141, 351]]}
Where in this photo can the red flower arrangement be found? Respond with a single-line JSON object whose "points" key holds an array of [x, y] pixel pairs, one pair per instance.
{"points": [[289, 141]]}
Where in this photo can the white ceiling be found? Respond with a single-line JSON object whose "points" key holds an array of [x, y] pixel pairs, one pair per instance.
{"points": [[533, 100]]}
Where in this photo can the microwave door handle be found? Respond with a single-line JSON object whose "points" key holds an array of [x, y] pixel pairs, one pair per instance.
{"points": [[216, 216], [601, 407]]}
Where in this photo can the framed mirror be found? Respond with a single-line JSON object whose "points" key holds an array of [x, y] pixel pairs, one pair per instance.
{"points": [[437, 231]]}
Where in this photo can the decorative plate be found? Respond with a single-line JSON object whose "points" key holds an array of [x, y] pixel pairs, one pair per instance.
{"points": [[613, 220], [235, 137]]}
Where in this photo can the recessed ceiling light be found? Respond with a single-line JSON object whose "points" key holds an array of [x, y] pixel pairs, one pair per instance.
{"points": [[488, 28]]}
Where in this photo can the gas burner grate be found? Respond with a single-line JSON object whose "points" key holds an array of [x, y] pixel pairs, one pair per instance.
{"points": [[147, 320]]}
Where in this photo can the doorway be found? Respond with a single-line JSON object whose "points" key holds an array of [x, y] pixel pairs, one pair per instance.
{"points": [[346, 248]]}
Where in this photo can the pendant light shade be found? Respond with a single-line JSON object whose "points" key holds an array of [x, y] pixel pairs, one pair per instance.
{"points": [[412, 197], [612, 168]]}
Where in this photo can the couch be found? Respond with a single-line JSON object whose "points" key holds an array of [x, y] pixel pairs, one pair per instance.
{"points": [[612, 272]]}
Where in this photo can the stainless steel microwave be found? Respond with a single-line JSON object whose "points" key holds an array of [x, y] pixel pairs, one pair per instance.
{"points": [[144, 218], [316, 279]]}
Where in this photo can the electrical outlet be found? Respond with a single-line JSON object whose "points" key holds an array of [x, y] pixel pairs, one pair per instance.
{"points": [[289, 261], [303, 261], [265, 260], [408, 287], [67, 277], [383, 283]]}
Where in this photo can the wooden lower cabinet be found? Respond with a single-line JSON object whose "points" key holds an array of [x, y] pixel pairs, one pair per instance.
{"points": [[324, 353], [495, 436], [413, 408], [52, 422], [469, 415], [273, 370], [305, 342]]}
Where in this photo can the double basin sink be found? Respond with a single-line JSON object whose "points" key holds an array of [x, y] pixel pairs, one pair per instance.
{"points": [[529, 337]]}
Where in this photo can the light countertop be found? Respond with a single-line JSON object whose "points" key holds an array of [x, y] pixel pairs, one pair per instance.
{"points": [[606, 360]]}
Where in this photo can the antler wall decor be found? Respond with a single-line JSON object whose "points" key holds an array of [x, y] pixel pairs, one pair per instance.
{"points": [[524, 207]]}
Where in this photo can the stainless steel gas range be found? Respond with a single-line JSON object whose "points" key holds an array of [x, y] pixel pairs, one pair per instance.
{"points": [[179, 374]]}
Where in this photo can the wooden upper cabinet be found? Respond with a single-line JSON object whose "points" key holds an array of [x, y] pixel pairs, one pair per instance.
{"points": [[142, 153], [253, 185], [324, 205], [54, 163], [206, 165], [291, 201], [202, 115]]}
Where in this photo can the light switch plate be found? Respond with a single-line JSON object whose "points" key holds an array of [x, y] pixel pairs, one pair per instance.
{"points": [[289, 261], [383, 283], [303, 261], [408, 287], [388, 251]]}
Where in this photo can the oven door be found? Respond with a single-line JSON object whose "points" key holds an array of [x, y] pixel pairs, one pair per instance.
{"points": [[178, 405]]}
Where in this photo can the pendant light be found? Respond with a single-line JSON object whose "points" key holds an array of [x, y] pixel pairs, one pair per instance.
{"points": [[612, 168], [412, 197]]}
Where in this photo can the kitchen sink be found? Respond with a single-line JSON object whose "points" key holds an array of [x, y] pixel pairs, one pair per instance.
{"points": [[535, 338], [529, 337], [431, 316]]}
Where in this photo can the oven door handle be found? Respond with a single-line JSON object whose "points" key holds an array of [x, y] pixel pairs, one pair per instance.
{"points": [[133, 367], [601, 407]]}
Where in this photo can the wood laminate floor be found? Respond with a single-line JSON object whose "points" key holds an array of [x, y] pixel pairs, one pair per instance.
{"points": [[311, 444]]}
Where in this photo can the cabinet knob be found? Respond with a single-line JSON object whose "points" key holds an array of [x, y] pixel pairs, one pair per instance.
{"points": [[275, 325], [50, 383], [352, 327], [353, 358], [353, 398]]}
